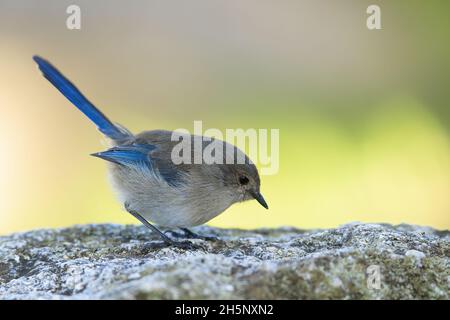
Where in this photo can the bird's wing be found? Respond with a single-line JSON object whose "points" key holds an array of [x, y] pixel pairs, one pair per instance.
{"points": [[139, 156]]}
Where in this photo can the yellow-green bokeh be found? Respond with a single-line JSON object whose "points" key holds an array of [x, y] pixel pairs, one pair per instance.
{"points": [[363, 115]]}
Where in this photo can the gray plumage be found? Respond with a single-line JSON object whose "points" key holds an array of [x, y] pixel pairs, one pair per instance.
{"points": [[148, 182], [201, 191]]}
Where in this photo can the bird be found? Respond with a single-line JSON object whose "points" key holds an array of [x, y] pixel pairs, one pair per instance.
{"points": [[151, 186]]}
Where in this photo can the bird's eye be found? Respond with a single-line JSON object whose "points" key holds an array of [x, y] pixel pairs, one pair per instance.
{"points": [[243, 180]]}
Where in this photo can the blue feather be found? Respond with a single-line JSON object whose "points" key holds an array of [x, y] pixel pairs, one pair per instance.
{"points": [[76, 97], [139, 156], [130, 155]]}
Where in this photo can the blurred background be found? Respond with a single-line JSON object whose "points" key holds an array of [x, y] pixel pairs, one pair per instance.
{"points": [[363, 115]]}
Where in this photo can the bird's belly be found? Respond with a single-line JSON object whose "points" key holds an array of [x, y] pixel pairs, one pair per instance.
{"points": [[178, 217], [181, 215], [164, 205]]}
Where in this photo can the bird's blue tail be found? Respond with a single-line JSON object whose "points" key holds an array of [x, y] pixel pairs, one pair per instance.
{"points": [[84, 105]]}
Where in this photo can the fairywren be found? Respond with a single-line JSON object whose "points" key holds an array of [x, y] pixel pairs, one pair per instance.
{"points": [[148, 182]]}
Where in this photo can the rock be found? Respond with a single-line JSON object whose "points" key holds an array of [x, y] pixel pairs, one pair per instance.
{"points": [[354, 261], [416, 254]]}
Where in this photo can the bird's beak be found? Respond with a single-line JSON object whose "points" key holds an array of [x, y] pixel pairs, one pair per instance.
{"points": [[258, 197]]}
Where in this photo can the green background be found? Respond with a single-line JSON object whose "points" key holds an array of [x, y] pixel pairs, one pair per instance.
{"points": [[363, 115]]}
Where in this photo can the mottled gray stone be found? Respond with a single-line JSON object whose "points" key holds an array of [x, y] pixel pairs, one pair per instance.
{"points": [[129, 262]]}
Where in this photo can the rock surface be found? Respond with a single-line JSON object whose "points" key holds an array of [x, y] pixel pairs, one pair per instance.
{"points": [[129, 262]]}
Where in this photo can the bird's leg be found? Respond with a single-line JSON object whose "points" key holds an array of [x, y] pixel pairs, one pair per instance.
{"points": [[166, 239], [193, 235]]}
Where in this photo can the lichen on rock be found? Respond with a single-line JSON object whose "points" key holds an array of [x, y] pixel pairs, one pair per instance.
{"points": [[129, 262]]}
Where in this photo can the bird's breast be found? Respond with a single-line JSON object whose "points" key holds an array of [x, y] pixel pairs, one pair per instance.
{"points": [[165, 205]]}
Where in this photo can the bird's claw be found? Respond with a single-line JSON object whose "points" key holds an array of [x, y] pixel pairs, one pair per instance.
{"points": [[192, 235], [174, 234], [206, 238], [187, 245]]}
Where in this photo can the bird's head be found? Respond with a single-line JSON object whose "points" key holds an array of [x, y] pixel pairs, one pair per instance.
{"points": [[242, 180], [248, 183]]}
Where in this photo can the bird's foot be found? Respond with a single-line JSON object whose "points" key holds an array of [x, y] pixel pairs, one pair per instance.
{"points": [[206, 238], [175, 234], [186, 245], [192, 235]]}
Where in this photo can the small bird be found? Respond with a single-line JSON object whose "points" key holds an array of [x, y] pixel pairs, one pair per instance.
{"points": [[148, 182]]}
